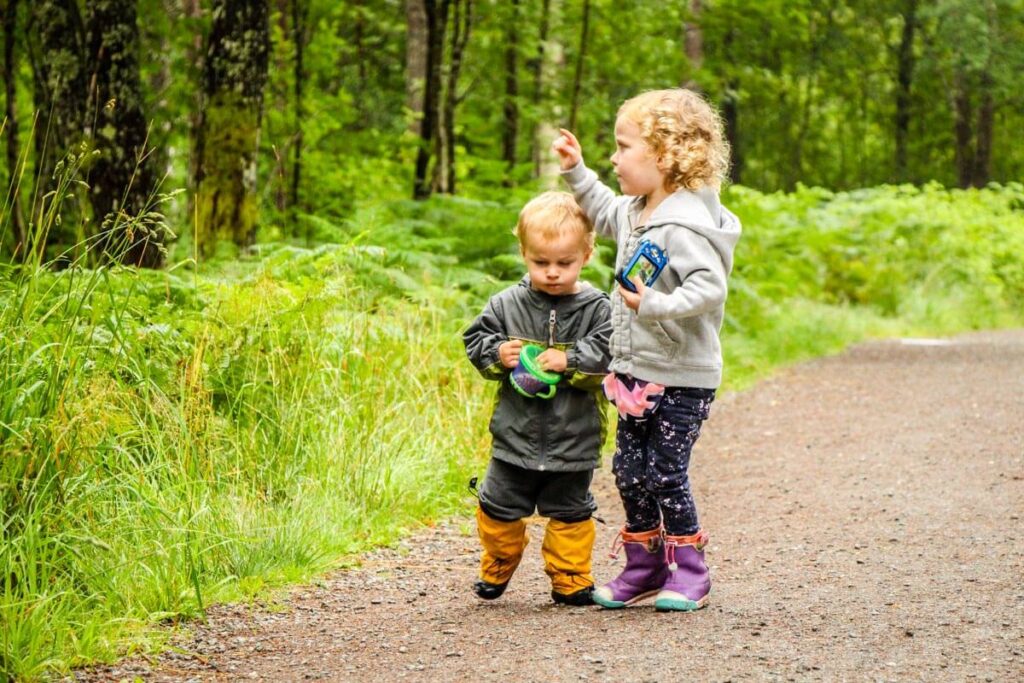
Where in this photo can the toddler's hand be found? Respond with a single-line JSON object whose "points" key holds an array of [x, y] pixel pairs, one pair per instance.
{"points": [[632, 299], [508, 353], [553, 360], [568, 149]]}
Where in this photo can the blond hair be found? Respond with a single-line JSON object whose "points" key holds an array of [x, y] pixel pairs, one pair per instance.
{"points": [[685, 133], [551, 215]]}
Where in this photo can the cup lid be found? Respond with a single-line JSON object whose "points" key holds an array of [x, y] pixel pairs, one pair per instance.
{"points": [[528, 358]]}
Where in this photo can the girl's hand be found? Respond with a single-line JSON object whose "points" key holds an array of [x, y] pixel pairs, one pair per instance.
{"points": [[553, 360], [568, 149], [508, 353], [632, 299]]}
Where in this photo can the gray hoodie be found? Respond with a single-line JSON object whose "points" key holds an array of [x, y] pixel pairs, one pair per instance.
{"points": [[673, 338]]}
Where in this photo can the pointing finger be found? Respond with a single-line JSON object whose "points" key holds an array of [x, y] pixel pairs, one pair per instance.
{"points": [[569, 136]]}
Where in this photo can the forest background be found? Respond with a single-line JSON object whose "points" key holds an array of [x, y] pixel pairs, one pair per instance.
{"points": [[239, 240]]}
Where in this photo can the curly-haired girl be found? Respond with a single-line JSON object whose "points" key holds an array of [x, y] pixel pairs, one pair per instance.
{"points": [[670, 160]]}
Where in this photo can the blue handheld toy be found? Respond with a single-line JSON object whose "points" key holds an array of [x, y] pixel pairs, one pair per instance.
{"points": [[647, 263]]}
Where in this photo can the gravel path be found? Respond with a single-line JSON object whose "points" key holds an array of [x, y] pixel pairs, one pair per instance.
{"points": [[865, 514]]}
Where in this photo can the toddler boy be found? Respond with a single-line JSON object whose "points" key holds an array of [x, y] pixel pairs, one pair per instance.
{"points": [[544, 450]]}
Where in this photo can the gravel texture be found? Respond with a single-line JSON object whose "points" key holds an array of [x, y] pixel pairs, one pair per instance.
{"points": [[865, 514]]}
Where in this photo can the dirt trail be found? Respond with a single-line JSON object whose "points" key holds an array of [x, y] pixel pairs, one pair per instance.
{"points": [[866, 523]]}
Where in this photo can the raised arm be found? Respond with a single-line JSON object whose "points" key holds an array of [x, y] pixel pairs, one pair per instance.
{"points": [[598, 200]]}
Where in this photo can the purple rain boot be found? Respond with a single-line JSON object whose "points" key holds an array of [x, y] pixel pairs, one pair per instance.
{"points": [[644, 574], [688, 581]]}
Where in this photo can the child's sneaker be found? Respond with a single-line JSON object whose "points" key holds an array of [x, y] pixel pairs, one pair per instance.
{"points": [[644, 574], [580, 598], [689, 581], [489, 591]]}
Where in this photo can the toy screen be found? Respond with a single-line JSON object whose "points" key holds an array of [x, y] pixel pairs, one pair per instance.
{"points": [[644, 268]]}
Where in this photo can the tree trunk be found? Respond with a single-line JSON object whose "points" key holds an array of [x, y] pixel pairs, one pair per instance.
{"points": [[510, 133], [14, 169], [279, 174], [904, 79], [300, 17], [810, 87], [163, 113], [731, 118], [693, 46], [62, 71], [123, 179], [537, 68], [415, 62], [234, 76], [437, 16], [359, 35], [194, 58], [578, 78], [462, 18], [57, 49], [731, 115], [962, 114], [982, 171], [439, 170]]}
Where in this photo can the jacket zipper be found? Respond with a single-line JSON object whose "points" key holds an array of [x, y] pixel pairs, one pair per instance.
{"points": [[552, 318]]}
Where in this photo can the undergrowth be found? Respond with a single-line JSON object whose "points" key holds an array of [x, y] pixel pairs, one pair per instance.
{"points": [[175, 438]]}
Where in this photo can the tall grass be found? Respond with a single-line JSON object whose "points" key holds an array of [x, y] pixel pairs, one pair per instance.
{"points": [[152, 465], [171, 439]]}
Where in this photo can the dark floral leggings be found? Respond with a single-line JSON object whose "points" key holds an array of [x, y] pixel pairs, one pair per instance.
{"points": [[652, 458]]}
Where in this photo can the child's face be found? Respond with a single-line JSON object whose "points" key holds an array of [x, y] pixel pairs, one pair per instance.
{"points": [[634, 161], [554, 264]]}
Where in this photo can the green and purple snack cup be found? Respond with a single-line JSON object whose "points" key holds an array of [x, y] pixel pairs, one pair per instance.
{"points": [[529, 379]]}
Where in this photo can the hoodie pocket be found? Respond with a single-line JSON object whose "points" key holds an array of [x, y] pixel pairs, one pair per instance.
{"points": [[651, 340]]}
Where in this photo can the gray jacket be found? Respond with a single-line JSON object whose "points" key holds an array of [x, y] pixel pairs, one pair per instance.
{"points": [[673, 338], [563, 433]]}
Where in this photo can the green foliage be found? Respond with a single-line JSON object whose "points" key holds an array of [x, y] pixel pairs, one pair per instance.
{"points": [[235, 433], [816, 270], [169, 439], [813, 87]]}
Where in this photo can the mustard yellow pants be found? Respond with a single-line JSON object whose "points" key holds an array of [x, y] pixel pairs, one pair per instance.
{"points": [[567, 551]]}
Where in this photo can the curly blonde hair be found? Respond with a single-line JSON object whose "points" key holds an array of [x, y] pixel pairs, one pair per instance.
{"points": [[685, 133], [550, 215]]}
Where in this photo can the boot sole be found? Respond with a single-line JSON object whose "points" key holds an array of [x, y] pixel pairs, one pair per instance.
{"points": [[581, 598], [679, 604], [619, 604]]}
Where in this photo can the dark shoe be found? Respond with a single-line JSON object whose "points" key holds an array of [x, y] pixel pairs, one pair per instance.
{"points": [[489, 591], [580, 598]]}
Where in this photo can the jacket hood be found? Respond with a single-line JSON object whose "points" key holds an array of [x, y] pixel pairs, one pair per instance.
{"points": [[702, 212], [567, 302]]}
